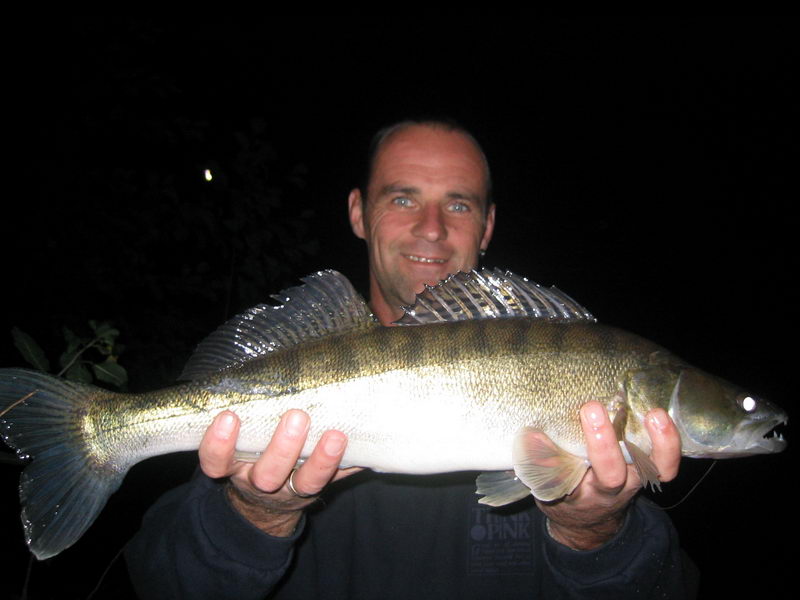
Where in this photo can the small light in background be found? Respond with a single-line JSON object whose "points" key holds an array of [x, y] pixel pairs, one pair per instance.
{"points": [[207, 174]]}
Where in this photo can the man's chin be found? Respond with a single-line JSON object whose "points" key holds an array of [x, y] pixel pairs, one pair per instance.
{"points": [[415, 282], [419, 287], [435, 278]]}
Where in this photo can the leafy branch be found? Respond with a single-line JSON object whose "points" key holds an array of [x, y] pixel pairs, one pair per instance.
{"points": [[74, 363]]}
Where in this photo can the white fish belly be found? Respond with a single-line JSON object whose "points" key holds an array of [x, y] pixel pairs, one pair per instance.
{"points": [[394, 423]]}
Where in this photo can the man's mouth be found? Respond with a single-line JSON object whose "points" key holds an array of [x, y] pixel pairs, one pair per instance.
{"points": [[422, 259]]}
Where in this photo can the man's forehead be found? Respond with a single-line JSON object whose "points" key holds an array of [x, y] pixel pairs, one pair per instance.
{"points": [[454, 193], [431, 141], [431, 153]]}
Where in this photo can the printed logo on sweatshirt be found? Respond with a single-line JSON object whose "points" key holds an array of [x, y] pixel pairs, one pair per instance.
{"points": [[499, 542]]}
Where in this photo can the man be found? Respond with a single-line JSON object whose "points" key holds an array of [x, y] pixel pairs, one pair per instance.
{"points": [[424, 212]]}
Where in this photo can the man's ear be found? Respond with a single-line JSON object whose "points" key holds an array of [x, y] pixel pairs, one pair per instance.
{"points": [[356, 210]]}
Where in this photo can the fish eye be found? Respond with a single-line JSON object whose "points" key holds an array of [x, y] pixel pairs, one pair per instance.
{"points": [[748, 403]]}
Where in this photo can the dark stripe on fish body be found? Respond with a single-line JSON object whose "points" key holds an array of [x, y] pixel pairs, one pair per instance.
{"points": [[347, 357], [364, 349], [611, 341], [412, 350], [520, 334], [291, 367], [337, 359], [479, 341], [560, 338], [594, 339], [304, 364], [583, 339], [375, 351], [383, 344], [454, 342]]}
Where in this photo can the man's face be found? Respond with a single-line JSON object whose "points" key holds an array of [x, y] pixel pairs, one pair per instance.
{"points": [[425, 214]]}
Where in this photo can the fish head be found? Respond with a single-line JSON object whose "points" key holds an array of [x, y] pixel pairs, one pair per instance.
{"points": [[717, 419]]}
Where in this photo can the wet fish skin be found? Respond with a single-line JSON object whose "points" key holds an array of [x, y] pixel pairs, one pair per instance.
{"points": [[423, 399], [488, 378]]}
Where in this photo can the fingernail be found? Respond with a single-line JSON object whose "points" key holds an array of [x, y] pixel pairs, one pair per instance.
{"points": [[224, 426], [296, 423], [334, 445], [593, 415]]}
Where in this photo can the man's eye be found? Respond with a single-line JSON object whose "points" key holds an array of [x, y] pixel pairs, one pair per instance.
{"points": [[459, 207], [401, 201]]}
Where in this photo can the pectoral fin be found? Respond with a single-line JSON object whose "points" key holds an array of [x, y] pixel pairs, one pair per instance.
{"points": [[549, 471], [648, 472]]}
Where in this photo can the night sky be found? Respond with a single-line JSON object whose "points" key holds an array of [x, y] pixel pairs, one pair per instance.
{"points": [[642, 165]]}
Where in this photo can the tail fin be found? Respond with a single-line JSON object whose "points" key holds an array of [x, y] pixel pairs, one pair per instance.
{"points": [[65, 486]]}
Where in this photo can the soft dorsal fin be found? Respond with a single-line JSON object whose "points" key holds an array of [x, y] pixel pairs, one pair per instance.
{"points": [[491, 294], [326, 304]]}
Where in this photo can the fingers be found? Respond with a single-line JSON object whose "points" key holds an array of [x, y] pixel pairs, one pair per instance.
{"points": [[260, 490], [219, 444], [595, 511], [275, 465], [608, 464], [322, 465], [271, 472], [666, 453], [273, 468]]}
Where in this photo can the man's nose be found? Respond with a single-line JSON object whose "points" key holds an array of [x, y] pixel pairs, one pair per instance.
{"points": [[431, 224]]}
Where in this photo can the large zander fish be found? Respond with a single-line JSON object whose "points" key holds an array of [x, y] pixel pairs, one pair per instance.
{"points": [[489, 362]]}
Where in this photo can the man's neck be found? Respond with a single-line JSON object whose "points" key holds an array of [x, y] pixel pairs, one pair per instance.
{"points": [[385, 314]]}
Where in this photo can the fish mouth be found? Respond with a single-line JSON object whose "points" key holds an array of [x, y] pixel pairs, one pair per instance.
{"points": [[761, 437], [770, 437], [425, 260]]}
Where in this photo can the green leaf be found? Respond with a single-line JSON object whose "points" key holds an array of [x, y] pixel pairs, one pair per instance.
{"points": [[111, 372], [105, 331], [66, 357], [30, 350], [73, 342], [78, 372]]}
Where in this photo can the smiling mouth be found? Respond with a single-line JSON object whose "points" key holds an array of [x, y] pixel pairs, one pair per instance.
{"points": [[422, 259]]}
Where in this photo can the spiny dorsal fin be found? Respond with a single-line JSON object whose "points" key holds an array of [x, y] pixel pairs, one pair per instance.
{"points": [[491, 294], [326, 304]]}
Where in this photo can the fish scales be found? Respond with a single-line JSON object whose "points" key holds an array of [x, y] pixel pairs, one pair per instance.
{"points": [[527, 372], [524, 373], [464, 394]]}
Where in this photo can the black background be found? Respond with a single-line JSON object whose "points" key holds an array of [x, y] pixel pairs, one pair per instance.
{"points": [[641, 164]]}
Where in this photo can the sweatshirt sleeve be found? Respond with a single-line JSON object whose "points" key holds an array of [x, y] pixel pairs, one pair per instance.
{"points": [[644, 560], [193, 544]]}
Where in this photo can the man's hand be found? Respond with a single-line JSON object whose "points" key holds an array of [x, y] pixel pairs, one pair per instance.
{"points": [[259, 491], [595, 511]]}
